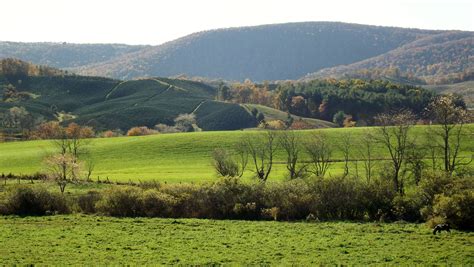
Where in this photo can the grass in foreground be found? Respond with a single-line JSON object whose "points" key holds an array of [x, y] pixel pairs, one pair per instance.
{"points": [[81, 239]]}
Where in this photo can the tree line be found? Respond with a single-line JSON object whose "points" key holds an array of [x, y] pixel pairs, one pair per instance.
{"points": [[312, 155], [357, 100]]}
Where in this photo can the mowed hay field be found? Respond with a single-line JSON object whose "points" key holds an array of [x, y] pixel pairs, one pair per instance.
{"points": [[181, 157], [81, 239]]}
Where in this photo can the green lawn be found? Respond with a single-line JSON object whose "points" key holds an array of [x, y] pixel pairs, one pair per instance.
{"points": [[91, 240], [182, 157]]}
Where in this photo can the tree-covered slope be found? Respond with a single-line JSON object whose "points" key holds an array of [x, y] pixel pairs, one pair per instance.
{"points": [[268, 52], [64, 55], [440, 58]]}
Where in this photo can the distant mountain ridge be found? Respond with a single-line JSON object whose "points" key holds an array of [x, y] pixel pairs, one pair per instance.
{"points": [[267, 52], [64, 55], [434, 58]]}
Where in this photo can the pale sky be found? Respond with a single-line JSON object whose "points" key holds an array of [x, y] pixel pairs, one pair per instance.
{"points": [[157, 21]]}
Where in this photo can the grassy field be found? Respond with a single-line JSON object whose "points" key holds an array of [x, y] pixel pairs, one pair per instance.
{"points": [[182, 157], [81, 239], [275, 114]]}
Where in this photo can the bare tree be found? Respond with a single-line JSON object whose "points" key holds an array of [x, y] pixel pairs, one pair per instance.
{"points": [[450, 113], [291, 143], [241, 157], [345, 145], [393, 133], [319, 151], [261, 149], [89, 167], [415, 156], [63, 168], [367, 153]]}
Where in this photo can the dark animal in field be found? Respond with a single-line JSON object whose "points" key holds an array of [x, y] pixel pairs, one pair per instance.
{"points": [[440, 227]]}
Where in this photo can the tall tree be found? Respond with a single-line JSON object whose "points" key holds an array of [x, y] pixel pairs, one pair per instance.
{"points": [[393, 133], [261, 149], [449, 112], [291, 143]]}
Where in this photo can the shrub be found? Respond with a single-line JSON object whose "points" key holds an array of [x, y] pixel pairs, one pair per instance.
{"points": [[110, 133], [378, 199], [121, 201], [163, 128], [224, 195], [158, 204], [457, 209], [224, 164], [138, 131], [24, 200], [407, 208], [294, 199], [433, 184], [191, 199], [275, 125], [339, 198], [87, 203]]}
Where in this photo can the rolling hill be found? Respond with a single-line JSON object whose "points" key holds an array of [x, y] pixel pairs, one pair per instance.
{"points": [[105, 103]]}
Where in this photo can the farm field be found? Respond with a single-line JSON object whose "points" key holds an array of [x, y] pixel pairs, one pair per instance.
{"points": [[182, 157], [82, 239]]}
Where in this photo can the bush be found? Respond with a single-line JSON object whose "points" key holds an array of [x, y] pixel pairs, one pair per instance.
{"points": [[224, 164], [293, 199], [407, 208], [138, 131], [163, 128], [274, 125], [378, 199], [158, 204], [230, 198], [87, 203], [121, 201], [457, 209], [24, 200], [339, 198]]}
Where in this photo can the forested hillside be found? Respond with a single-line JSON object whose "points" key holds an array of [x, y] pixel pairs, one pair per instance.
{"points": [[273, 52], [64, 55], [344, 102], [269, 52], [437, 59]]}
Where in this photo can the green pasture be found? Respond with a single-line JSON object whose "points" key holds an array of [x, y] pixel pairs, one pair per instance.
{"points": [[183, 157], [94, 240]]}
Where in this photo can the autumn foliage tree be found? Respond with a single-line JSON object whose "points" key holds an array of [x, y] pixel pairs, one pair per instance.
{"points": [[449, 112]]}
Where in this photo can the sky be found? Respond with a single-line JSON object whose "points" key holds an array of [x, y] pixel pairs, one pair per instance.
{"points": [[157, 21]]}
